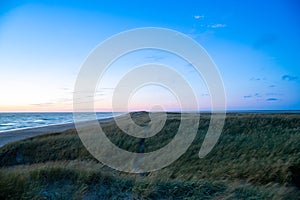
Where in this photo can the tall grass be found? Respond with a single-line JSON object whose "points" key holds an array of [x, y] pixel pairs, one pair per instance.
{"points": [[85, 180], [257, 156]]}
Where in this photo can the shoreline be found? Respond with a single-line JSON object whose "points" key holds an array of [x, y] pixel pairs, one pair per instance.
{"points": [[21, 134]]}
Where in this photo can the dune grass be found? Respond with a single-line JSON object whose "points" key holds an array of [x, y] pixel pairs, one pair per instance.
{"points": [[86, 180], [257, 157]]}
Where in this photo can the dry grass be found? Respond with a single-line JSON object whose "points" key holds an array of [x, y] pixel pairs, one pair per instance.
{"points": [[257, 157]]}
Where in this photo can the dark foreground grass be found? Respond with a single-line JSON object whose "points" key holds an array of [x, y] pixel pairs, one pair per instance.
{"points": [[257, 157], [86, 180]]}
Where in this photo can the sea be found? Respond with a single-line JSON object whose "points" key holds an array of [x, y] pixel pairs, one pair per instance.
{"points": [[17, 121]]}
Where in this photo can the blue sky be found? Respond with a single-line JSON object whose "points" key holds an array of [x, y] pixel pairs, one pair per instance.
{"points": [[255, 45]]}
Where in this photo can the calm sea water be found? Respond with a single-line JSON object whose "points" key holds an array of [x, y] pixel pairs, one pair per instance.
{"points": [[14, 121]]}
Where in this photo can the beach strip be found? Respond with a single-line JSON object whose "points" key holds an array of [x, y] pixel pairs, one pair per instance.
{"points": [[20, 134]]}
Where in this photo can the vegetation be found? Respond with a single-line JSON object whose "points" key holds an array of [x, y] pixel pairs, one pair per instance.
{"points": [[257, 157]]}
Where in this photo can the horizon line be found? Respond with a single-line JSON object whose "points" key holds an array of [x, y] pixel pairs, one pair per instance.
{"points": [[184, 111]]}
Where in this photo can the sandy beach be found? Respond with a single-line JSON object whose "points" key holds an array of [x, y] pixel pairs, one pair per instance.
{"points": [[15, 135]]}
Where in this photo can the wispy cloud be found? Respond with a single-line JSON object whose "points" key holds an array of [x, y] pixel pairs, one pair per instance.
{"points": [[258, 79], [198, 16], [202, 35], [54, 102], [261, 97], [255, 79], [289, 78], [217, 26], [43, 104], [256, 96], [272, 99]]}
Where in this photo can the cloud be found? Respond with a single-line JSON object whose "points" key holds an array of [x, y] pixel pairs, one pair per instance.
{"points": [[272, 86], [198, 16], [257, 79], [257, 95], [218, 26], [272, 99], [201, 36], [43, 104], [260, 97], [289, 78]]}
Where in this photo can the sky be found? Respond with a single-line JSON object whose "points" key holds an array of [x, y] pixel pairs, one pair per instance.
{"points": [[254, 44]]}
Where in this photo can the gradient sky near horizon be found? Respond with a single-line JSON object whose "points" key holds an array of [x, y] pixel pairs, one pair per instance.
{"points": [[255, 45]]}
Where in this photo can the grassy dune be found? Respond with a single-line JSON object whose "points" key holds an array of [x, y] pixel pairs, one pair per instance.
{"points": [[257, 157]]}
